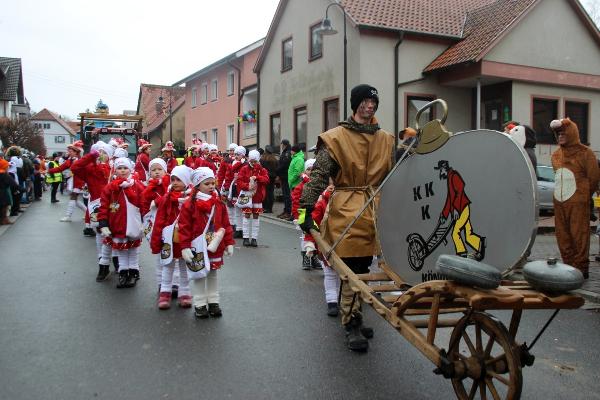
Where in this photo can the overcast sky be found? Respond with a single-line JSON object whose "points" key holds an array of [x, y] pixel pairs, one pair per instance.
{"points": [[74, 53]]}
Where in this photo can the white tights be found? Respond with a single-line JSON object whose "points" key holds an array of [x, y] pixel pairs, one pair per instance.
{"points": [[205, 290], [167, 278], [331, 282], [159, 271]]}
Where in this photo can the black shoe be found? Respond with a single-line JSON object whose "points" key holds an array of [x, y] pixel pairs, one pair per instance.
{"points": [[122, 283], [174, 292], [332, 309], [54, 201], [246, 242], [14, 214], [132, 277], [586, 275], [103, 273], [314, 262], [367, 332], [354, 338], [115, 261], [89, 232], [238, 235], [253, 243], [306, 261], [201, 312], [214, 310]]}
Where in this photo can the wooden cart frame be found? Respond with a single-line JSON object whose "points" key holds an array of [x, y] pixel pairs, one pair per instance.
{"points": [[417, 315]]}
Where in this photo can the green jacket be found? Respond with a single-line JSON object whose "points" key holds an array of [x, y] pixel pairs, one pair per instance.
{"points": [[296, 169]]}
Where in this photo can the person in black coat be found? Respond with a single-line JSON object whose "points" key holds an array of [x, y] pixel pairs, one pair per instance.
{"points": [[7, 185], [285, 158], [270, 163]]}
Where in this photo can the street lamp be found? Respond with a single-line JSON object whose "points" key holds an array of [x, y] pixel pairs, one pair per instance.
{"points": [[159, 108], [327, 29]]}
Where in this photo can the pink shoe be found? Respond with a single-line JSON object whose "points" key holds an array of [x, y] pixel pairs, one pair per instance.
{"points": [[185, 301], [164, 300]]}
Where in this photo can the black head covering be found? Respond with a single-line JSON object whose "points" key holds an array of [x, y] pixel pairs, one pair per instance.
{"points": [[361, 92]]}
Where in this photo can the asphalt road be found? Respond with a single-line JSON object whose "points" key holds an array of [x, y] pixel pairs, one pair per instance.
{"points": [[64, 336]]}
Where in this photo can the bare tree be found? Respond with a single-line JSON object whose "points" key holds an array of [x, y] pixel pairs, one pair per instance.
{"points": [[22, 132]]}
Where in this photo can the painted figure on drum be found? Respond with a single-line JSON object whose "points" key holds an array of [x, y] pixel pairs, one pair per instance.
{"points": [[457, 208]]}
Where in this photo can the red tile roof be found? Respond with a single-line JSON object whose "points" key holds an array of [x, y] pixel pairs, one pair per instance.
{"points": [[436, 17], [483, 28], [148, 97], [47, 115]]}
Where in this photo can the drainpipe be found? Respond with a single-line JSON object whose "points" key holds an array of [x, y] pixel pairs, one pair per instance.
{"points": [[239, 100], [257, 111], [396, 84], [478, 106]]}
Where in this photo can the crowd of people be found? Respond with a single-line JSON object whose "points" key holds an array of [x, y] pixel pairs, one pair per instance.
{"points": [[191, 209]]}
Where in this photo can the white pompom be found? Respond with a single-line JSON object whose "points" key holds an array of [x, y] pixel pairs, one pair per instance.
{"points": [[556, 124]]}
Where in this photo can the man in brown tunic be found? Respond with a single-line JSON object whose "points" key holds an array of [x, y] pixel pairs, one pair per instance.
{"points": [[357, 155]]}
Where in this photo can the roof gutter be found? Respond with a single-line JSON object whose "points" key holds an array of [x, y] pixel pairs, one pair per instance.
{"points": [[407, 31], [396, 97]]}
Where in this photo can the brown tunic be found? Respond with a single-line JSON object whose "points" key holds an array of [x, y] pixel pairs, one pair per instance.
{"points": [[364, 160]]}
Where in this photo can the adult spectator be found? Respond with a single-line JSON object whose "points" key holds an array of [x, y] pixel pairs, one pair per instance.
{"points": [[296, 167], [55, 179], [15, 169], [577, 175], [7, 186], [37, 179], [285, 158], [270, 163]]}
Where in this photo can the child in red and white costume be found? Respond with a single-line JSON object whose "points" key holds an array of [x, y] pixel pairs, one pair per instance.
{"points": [[222, 181], [308, 262], [112, 220], [168, 154], [239, 160], [253, 177], [142, 162], [75, 184], [94, 169], [169, 206], [193, 219]]}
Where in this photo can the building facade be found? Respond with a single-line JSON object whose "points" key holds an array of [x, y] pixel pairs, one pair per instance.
{"points": [[13, 103]]}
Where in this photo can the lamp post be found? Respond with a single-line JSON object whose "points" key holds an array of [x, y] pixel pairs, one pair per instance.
{"points": [[327, 29], [159, 108]]}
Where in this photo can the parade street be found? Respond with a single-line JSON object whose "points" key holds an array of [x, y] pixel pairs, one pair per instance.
{"points": [[64, 336]]}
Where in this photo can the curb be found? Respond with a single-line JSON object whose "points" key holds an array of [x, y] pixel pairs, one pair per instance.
{"points": [[589, 296], [277, 221]]}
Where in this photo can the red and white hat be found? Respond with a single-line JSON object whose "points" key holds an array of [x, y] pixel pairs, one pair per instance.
{"points": [[142, 144], [168, 146], [196, 143], [77, 146]]}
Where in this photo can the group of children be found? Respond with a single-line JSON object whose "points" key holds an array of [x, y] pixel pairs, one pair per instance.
{"points": [[188, 213]]}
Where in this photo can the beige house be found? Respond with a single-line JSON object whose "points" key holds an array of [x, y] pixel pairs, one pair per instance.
{"points": [[491, 60]]}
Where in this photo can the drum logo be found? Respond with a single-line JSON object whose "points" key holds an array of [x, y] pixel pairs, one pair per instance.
{"points": [[455, 218], [198, 261], [165, 251]]}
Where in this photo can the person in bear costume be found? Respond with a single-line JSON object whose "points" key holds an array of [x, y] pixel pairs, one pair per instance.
{"points": [[576, 178]]}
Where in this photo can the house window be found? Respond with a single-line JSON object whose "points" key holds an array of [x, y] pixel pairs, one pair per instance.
{"points": [[59, 139], [275, 129], [213, 91], [194, 97], [203, 93], [578, 112], [286, 55], [300, 125], [204, 136], [230, 83], [47, 126], [331, 114], [414, 104], [316, 43], [215, 135], [544, 111], [230, 131]]}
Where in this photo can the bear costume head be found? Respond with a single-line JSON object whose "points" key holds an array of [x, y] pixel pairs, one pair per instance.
{"points": [[567, 128]]}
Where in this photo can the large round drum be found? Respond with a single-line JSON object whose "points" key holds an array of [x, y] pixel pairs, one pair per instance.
{"points": [[475, 197]]}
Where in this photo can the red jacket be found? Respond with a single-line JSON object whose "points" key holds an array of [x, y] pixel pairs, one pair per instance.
{"points": [[456, 199], [113, 211], [171, 163], [155, 189], [94, 175], [222, 173], [233, 169], [78, 183], [168, 210], [203, 162], [262, 179], [142, 166], [297, 193], [190, 161], [193, 218], [320, 207]]}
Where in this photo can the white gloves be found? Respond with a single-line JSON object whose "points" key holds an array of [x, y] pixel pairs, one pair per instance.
{"points": [[187, 255], [105, 231], [309, 248], [229, 250]]}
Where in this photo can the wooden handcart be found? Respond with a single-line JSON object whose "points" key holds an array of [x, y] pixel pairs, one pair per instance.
{"points": [[483, 356]]}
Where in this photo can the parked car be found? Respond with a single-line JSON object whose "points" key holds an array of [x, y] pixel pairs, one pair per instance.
{"points": [[545, 187]]}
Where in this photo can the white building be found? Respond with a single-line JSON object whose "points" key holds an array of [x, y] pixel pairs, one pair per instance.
{"points": [[57, 133]]}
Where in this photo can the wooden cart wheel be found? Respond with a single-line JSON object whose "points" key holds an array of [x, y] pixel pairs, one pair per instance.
{"points": [[488, 365]]}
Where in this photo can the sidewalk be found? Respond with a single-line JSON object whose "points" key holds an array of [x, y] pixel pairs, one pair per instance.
{"points": [[4, 228], [545, 247]]}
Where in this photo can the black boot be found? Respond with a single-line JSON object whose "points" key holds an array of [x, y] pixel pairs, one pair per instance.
{"points": [[306, 261], [115, 260], [354, 338], [214, 310], [253, 243], [314, 262], [132, 278], [89, 232], [103, 273], [246, 242], [332, 309], [122, 279]]}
